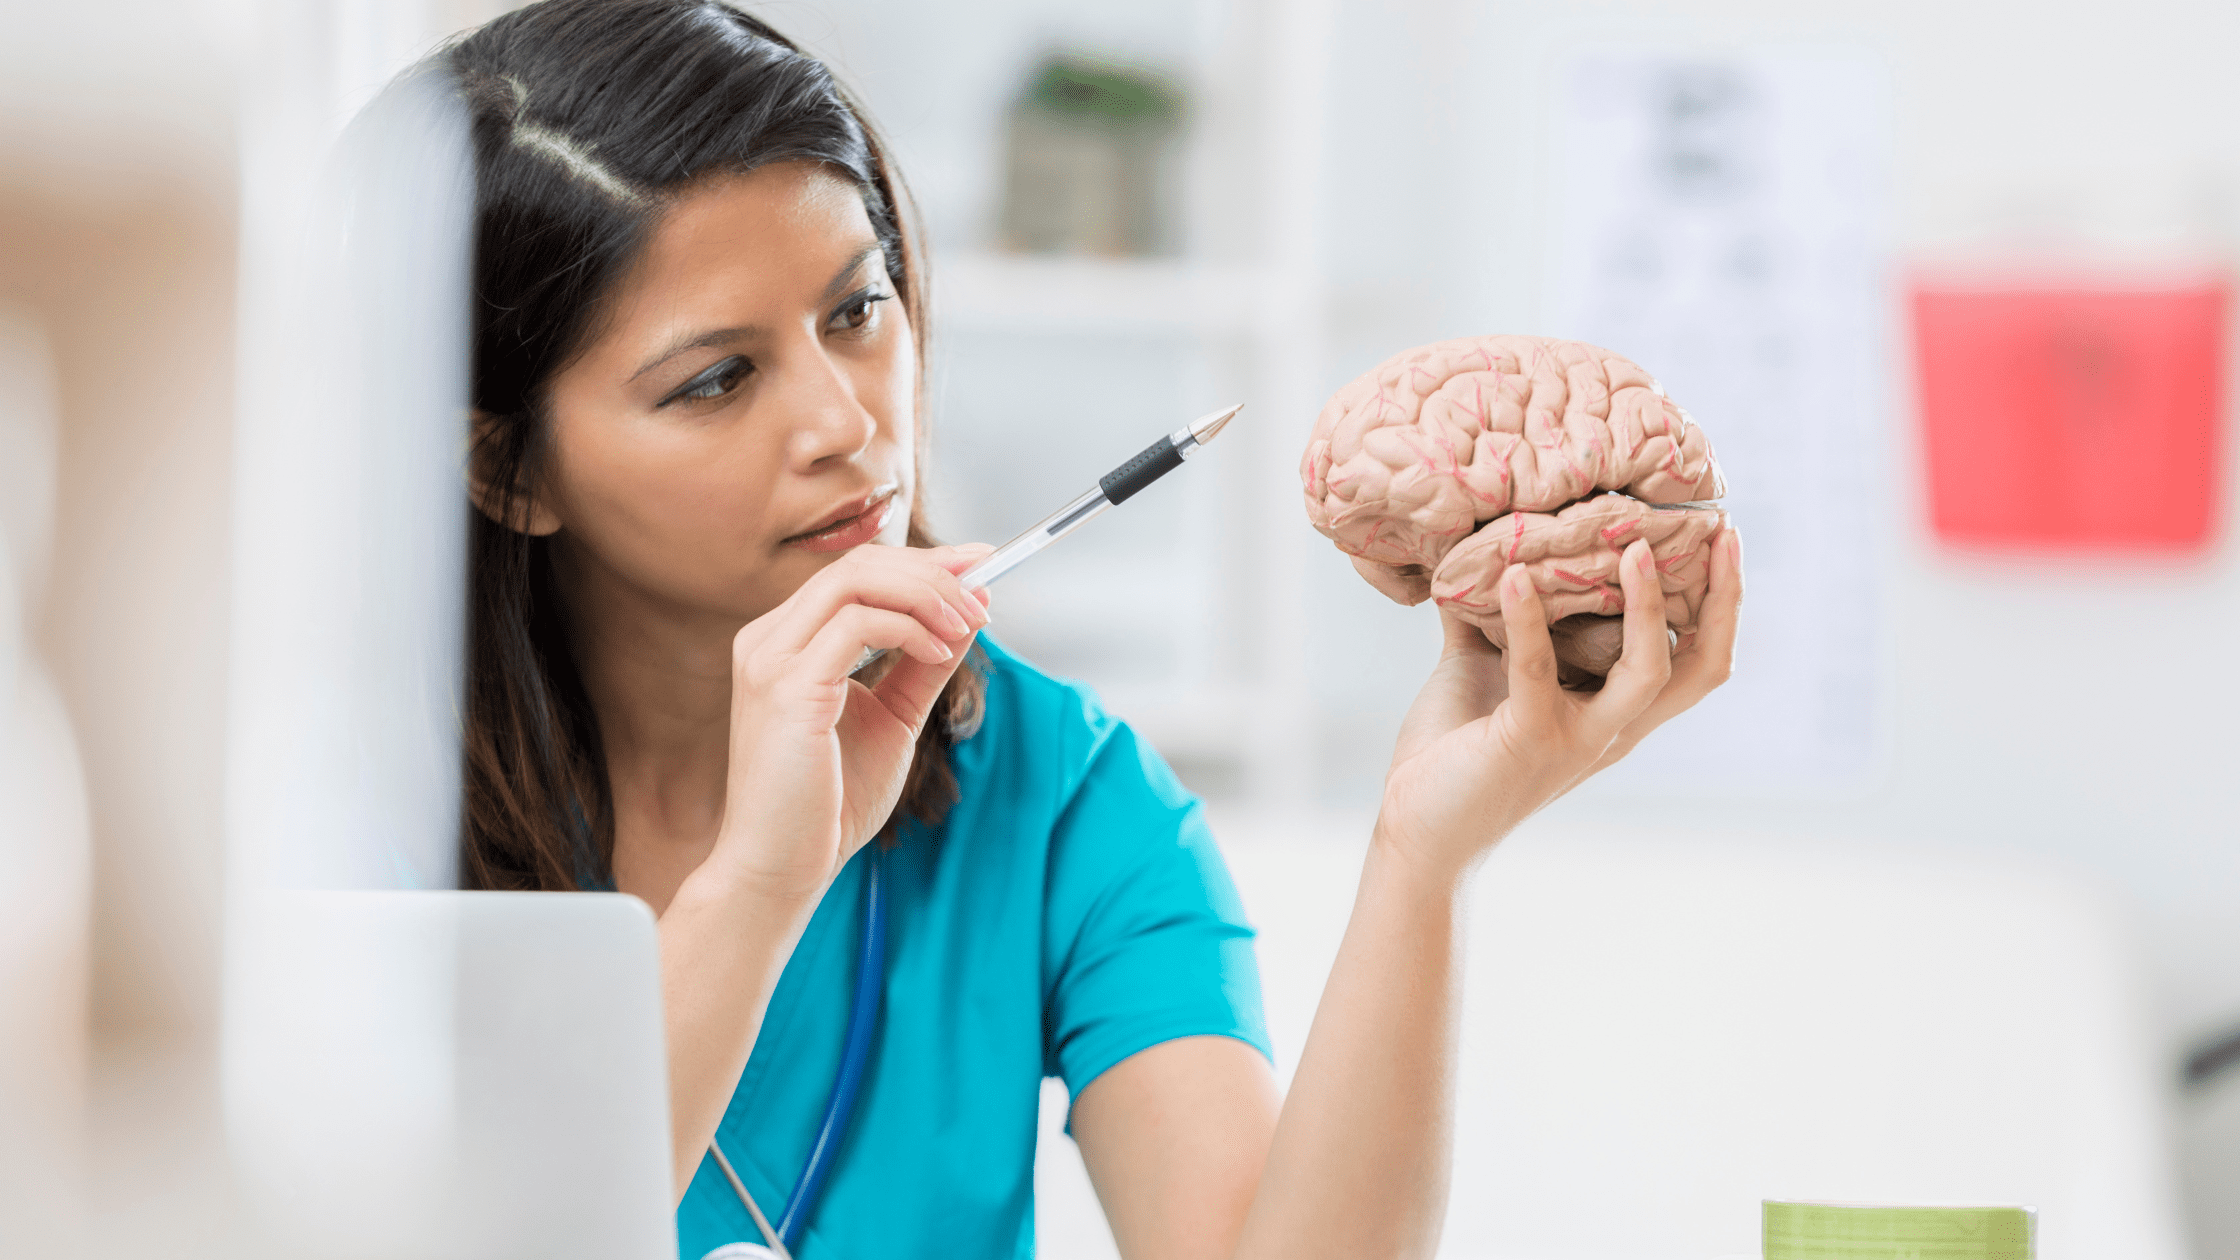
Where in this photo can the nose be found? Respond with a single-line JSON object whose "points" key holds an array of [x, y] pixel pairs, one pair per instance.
{"points": [[829, 422]]}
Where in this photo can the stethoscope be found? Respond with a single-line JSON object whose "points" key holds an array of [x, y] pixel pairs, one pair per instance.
{"points": [[863, 1018]]}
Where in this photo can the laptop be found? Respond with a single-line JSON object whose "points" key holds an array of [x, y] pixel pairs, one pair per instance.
{"points": [[449, 1074]]}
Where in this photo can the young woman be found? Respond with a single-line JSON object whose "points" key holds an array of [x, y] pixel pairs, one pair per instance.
{"points": [[699, 327]]}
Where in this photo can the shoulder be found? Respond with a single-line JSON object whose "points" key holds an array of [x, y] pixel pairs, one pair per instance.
{"points": [[1035, 698], [1047, 748], [1041, 733]]}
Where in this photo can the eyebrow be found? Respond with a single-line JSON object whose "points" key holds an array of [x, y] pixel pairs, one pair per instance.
{"points": [[722, 336]]}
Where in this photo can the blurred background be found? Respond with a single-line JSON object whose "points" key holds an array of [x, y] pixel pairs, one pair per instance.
{"points": [[1947, 285]]}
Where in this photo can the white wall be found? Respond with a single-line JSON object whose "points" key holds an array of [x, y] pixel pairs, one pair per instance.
{"points": [[2078, 711], [2081, 713]]}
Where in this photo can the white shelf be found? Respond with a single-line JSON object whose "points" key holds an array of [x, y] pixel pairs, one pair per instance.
{"points": [[1054, 293], [1239, 692]]}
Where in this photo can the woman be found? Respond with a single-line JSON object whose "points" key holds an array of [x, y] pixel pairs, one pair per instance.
{"points": [[699, 333]]}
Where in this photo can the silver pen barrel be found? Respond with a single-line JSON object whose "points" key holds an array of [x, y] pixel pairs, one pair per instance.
{"points": [[1154, 462], [1014, 553]]}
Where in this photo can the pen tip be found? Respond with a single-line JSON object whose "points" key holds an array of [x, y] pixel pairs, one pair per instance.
{"points": [[1205, 427]]}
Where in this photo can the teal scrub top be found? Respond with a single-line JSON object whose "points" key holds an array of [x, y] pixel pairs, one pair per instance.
{"points": [[1070, 910]]}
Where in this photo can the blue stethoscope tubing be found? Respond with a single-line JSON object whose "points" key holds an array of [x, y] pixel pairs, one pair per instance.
{"points": [[863, 1021]]}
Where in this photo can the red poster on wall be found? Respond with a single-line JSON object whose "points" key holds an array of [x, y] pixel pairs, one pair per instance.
{"points": [[2065, 420]]}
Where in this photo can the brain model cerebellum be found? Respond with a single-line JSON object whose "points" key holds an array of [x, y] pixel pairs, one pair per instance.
{"points": [[1445, 465]]}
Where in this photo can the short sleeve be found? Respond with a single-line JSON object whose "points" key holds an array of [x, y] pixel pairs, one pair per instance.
{"points": [[1145, 939]]}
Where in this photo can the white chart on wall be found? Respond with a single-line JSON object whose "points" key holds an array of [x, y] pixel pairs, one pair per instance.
{"points": [[1720, 220]]}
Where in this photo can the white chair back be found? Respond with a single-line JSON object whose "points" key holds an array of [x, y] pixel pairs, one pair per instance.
{"points": [[1663, 1030]]}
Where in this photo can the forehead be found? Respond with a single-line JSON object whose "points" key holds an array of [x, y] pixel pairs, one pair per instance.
{"points": [[736, 238]]}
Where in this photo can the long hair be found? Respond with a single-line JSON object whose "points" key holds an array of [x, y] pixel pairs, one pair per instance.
{"points": [[587, 117]]}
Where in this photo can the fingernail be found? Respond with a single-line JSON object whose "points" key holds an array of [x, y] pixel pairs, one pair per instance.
{"points": [[945, 652]]}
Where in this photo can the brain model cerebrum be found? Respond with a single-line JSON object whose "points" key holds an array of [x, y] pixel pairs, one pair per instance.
{"points": [[1445, 465]]}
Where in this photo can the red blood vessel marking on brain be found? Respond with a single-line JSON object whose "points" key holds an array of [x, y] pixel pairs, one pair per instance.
{"points": [[1444, 465]]}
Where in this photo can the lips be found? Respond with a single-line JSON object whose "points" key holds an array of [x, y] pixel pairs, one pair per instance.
{"points": [[852, 524]]}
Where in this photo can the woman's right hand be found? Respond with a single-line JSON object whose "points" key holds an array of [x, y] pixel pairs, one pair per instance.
{"points": [[818, 759]]}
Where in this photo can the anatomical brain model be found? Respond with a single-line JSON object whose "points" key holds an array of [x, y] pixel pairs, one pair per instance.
{"points": [[1446, 464]]}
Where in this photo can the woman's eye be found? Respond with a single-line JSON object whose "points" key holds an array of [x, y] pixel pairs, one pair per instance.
{"points": [[713, 383], [859, 312]]}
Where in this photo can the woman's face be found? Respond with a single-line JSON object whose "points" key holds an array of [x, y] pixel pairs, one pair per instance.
{"points": [[745, 413]]}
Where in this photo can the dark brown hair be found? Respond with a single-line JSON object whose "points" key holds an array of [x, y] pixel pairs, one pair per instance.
{"points": [[587, 117]]}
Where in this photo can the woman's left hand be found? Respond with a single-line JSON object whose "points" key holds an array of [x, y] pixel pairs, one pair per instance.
{"points": [[1492, 737]]}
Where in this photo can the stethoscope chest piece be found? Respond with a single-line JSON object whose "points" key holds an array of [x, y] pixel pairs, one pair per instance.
{"points": [[741, 1251]]}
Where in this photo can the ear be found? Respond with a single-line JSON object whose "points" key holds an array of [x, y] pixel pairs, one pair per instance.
{"points": [[527, 512]]}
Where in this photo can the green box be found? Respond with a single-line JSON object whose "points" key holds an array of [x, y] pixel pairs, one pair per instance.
{"points": [[1866, 1231]]}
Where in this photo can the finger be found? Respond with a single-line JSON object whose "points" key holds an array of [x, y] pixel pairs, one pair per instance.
{"points": [[940, 566], [1712, 661], [1705, 657], [1531, 655], [977, 595], [829, 656], [1645, 665], [912, 686], [958, 557], [959, 560], [900, 580], [949, 565]]}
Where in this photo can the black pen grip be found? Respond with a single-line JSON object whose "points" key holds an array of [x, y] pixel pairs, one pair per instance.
{"points": [[1156, 461]]}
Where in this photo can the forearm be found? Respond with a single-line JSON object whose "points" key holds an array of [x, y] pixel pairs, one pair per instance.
{"points": [[724, 943], [1359, 1165]]}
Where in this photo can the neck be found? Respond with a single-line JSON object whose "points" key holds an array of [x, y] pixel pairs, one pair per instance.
{"points": [[659, 679]]}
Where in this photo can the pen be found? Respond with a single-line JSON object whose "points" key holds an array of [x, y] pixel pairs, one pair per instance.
{"points": [[1112, 490]]}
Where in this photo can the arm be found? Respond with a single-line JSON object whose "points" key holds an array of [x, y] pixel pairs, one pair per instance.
{"points": [[817, 761], [1357, 1161], [1184, 1142], [724, 943]]}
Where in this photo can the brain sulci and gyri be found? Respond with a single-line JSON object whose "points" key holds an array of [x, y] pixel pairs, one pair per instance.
{"points": [[1444, 466]]}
